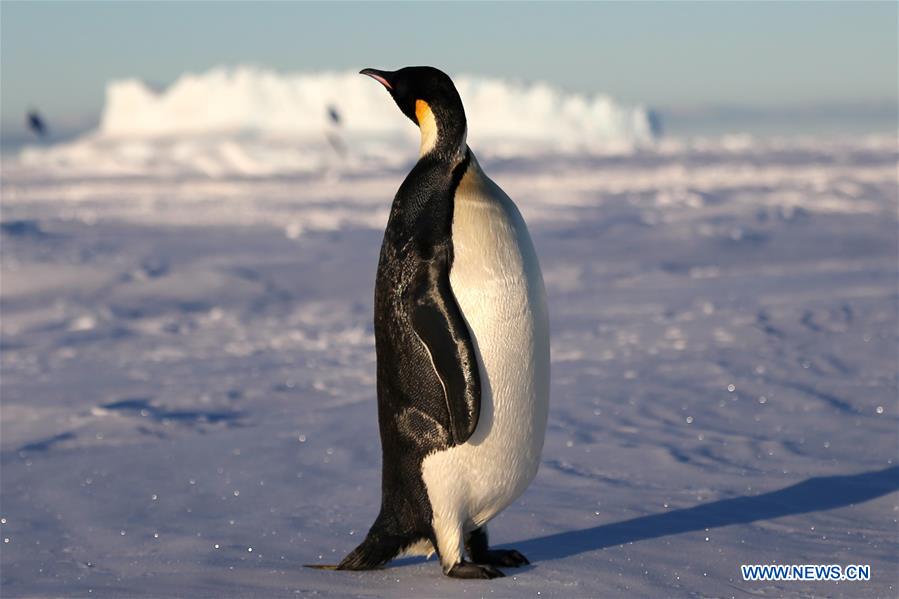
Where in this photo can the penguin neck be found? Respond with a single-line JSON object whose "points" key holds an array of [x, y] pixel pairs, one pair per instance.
{"points": [[447, 141]]}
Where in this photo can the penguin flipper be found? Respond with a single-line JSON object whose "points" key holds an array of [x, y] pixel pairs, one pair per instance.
{"points": [[438, 322]]}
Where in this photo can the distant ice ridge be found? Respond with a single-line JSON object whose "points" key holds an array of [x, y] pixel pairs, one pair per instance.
{"points": [[255, 121], [246, 99]]}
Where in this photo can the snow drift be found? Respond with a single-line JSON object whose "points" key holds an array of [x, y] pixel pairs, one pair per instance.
{"points": [[254, 121]]}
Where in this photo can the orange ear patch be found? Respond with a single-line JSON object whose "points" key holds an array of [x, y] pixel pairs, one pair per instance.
{"points": [[427, 124], [422, 110]]}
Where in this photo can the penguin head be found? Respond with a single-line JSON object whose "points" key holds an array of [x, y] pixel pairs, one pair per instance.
{"points": [[428, 97]]}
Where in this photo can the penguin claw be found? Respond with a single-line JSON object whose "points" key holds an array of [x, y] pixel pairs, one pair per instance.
{"points": [[471, 570]]}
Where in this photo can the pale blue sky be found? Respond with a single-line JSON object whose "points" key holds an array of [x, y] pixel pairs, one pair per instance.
{"points": [[677, 56]]}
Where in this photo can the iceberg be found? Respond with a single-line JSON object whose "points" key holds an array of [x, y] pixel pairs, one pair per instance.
{"points": [[254, 121]]}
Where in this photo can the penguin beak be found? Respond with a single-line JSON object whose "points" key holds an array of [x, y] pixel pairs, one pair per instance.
{"points": [[382, 77]]}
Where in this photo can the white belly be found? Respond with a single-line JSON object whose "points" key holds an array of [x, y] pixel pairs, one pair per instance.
{"points": [[497, 283]]}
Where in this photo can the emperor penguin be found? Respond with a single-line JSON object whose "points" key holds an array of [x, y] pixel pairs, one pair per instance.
{"points": [[462, 341]]}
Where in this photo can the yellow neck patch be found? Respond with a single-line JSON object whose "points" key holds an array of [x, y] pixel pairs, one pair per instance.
{"points": [[428, 126]]}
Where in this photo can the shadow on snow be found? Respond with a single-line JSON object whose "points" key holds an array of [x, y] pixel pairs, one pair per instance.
{"points": [[812, 495]]}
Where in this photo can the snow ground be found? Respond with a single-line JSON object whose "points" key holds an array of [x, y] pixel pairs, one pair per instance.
{"points": [[188, 377]]}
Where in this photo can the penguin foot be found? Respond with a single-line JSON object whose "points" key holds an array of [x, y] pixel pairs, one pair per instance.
{"points": [[507, 558], [470, 570]]}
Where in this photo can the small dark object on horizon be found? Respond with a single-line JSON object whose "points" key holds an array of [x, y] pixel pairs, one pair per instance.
{"points": [[36, 123], [333, 114], [333, 135]]}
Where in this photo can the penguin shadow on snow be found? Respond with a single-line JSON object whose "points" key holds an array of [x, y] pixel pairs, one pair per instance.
{"points": [[812, 495]]}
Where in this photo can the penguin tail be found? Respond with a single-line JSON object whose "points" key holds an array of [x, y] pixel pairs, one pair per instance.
{"points": [[379, 547]]}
